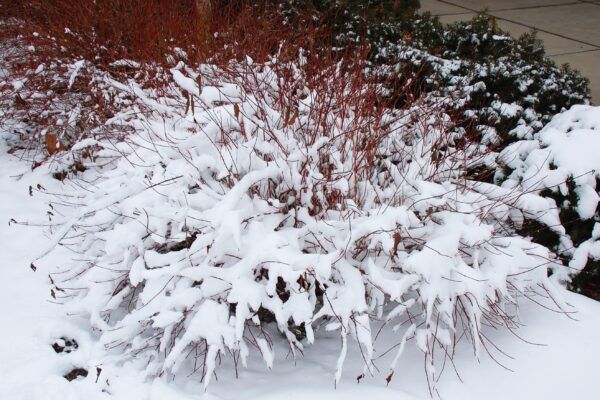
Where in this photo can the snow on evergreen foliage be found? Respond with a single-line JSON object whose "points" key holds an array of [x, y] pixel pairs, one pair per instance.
{"points": [[561, 162], [519, 88], [240, 205], [498, 84]]}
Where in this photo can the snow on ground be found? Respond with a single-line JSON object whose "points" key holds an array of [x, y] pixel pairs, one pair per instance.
{"points": [[560, 366]]}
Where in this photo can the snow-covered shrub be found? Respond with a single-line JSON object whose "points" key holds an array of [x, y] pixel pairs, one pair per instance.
{"points": [[495, 81], [496, 89], [561, 162], [511, 73], [256, 198], [58, 56], [51, 100]]}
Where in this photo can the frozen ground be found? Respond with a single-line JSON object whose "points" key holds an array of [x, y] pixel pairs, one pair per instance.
{"points": [[563, 364]]}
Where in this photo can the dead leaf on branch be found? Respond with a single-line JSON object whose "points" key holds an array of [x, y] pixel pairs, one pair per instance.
{"points": [[53, 144]]}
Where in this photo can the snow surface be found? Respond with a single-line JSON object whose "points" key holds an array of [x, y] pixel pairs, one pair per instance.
{"points": [[562, 366]]}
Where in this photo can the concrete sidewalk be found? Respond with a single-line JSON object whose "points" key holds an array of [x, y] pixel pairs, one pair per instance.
{"points": [[570, 29]]}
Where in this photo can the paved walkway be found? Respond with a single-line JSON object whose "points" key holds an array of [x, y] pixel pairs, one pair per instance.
{"points": [[570, 29]]}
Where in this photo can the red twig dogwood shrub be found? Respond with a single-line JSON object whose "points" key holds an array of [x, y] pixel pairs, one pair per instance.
{"points": [[257, 192]]}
